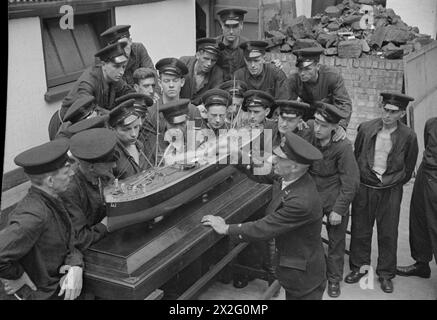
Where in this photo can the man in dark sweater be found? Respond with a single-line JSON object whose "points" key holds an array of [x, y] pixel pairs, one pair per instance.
{"points": [[259, 75], [337, 179]]}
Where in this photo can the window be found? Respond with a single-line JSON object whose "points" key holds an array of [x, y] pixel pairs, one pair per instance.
{"points": [[68, 52]]}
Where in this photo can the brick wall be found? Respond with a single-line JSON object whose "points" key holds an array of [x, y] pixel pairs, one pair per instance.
{"points": [[364, 78]]}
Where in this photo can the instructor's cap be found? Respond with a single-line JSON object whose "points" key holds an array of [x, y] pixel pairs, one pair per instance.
{"points": [[295, 148]]}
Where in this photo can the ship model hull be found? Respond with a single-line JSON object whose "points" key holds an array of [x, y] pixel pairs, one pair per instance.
{"points": [[122, 214]]}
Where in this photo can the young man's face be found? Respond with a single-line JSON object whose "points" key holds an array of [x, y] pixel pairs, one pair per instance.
{"points": [[129, 134], [257, 115], [389, 116], [231, 31], [205, 61], [113, 71], [146, 86], [62, 178], [308, 73], [255, 65], [216, 116], [322, 129], [171, 85], [286, 124]]}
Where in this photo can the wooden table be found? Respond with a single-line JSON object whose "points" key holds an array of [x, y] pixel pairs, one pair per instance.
{"points": [[134, 261]]}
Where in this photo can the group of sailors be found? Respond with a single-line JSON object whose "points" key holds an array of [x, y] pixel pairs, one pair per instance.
{"points": [[113, 124]]}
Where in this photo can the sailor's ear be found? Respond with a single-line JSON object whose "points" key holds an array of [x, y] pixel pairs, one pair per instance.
{"points": [[182, 82]]}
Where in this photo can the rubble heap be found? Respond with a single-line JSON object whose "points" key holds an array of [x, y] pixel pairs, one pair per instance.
{"points": [[350, 29]]}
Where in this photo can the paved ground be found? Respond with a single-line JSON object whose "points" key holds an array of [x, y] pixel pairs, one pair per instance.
{"points": [[405, 288]]}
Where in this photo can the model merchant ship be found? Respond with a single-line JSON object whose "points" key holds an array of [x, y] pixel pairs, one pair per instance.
{"points": [[185, 171]]}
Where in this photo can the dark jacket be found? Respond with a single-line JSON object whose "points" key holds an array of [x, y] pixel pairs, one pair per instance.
{"points": [[86, 206], [231, 58], [271, 80], [125, 165], [38, 239], [294, 219], [400, 161], [430, 140], [336, 176], [329, 87], [90, 83], [138, 58], [213, 79]]}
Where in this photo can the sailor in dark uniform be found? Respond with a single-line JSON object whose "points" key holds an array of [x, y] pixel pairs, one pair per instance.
{"points": [[386, 152], [84, 201], [293, 218], [103, 82], [171, 80], [147, 134], [290, 114], [37, 245], [125, 120], [135, 51], [231, 57], [259, 75], [337, 179], [316, 82], [203, 72], [259, 105], [216, 102], [423, 209]]}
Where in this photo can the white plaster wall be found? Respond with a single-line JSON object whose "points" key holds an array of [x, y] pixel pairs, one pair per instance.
{"points": [[28, 113], [166, 28], [303, 7], [420, 13]]}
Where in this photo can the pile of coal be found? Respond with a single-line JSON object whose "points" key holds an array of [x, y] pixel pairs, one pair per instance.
{"points": [[349, 30]]}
